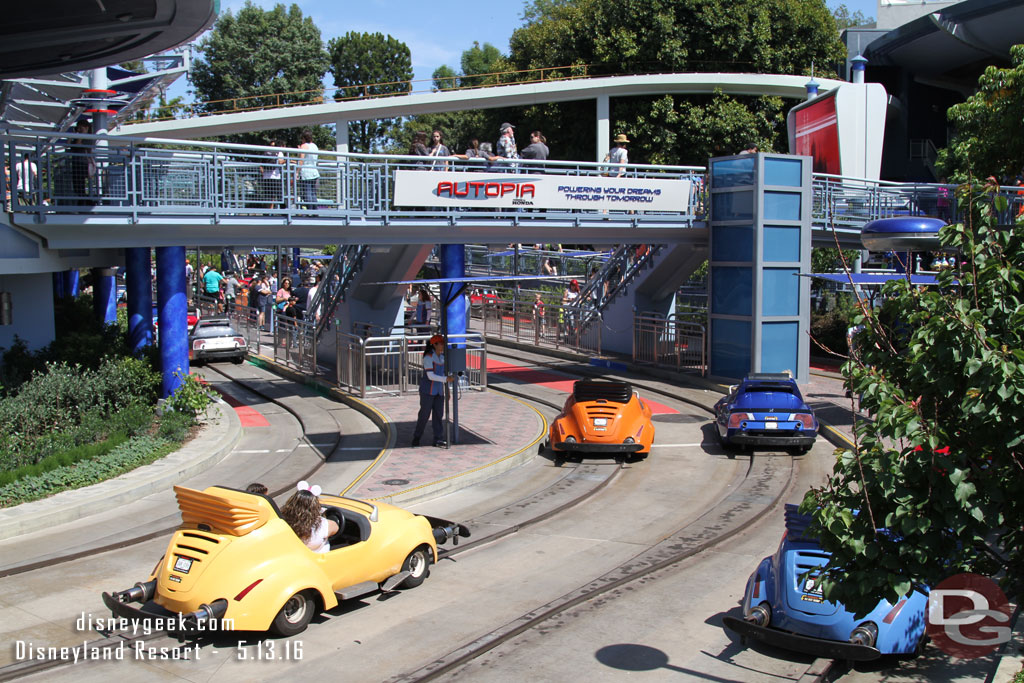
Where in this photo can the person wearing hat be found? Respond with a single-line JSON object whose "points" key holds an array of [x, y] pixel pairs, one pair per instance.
{"points": [[618, 155], [432, 392], [506, 147]]}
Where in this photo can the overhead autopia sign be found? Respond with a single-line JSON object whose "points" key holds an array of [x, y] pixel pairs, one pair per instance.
{"points": [[521, 190]]}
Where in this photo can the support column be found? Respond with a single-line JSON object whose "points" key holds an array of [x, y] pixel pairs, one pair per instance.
{"points": [[760, 240], [139, 292], [172, 311], [453, 264], [104, 295], [70, 283], [604, 130], [341, 136]]}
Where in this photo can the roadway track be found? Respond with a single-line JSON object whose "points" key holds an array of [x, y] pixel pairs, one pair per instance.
{"points": [[755, 486]]}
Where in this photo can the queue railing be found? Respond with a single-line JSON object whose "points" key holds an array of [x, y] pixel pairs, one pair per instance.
{"points": [[392, 365], [544, 325], [672, 342]]}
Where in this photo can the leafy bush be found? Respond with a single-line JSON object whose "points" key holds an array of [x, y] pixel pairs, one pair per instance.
{"points": [[174, 426], [64, 458], [137, 451], [65, 406], [190, 398]]}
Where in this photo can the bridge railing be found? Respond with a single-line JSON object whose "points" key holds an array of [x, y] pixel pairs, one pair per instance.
{"points": [[134, 177]]}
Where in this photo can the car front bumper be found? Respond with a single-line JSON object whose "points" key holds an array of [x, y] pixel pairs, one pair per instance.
{"points": [[818, 647]]}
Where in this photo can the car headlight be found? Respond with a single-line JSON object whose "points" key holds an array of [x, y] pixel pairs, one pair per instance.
{"points": [[865, 634], [570, 439], [761, 615], [629, 439]]}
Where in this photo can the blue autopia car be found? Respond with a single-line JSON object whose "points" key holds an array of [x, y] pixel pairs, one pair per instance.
{"points": [[782, 607], [766, 409]]}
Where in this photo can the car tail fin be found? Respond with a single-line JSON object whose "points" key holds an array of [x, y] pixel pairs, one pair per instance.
{"points": [[224, 510]]}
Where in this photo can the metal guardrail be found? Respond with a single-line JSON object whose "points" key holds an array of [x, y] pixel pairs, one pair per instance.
{"points": [[672, 342], [546, 325], [137, 177], [374, 366], [134, 178]]}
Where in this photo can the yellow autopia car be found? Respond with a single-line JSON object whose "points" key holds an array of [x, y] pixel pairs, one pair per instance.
{"points": [[235, 559]]}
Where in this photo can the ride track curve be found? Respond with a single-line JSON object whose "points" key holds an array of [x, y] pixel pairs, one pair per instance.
{"points": [[764, 480]]}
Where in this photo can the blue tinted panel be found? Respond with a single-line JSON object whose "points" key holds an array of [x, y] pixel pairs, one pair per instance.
{"points": [[781, 206], [779, 345], [732, 243], [781, 244], [732, 206], [782, 172], [732, 290], [780, 291], [733, 172], [730, 348]]}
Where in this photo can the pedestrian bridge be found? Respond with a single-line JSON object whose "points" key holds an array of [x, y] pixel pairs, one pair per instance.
{"points": [[146, 192]]}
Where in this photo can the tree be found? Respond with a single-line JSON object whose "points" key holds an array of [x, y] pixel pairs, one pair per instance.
{"points": [[368, 65], [989, 130], [480, 66], [844, 19], [259, 58], [932, 486], [657, 36]]}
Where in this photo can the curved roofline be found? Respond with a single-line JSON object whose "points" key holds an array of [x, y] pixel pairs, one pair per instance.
{"points": [[482, 98]]}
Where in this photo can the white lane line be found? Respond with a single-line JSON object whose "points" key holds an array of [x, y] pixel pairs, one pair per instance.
{"points": [[675, 445], [265, 450]]}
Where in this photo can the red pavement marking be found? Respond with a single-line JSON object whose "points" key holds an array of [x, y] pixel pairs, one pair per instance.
{"points": [[250, 417], [554, 380]]}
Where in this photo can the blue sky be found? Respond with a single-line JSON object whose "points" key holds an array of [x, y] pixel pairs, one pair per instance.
{"points": [[436, 32]]}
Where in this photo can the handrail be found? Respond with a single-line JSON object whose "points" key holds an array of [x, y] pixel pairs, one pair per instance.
{"points": [[321, 92]]}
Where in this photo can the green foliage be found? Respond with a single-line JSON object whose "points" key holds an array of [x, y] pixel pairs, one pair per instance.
{"points": [[844, 19], [658, 36], [941, 369], [462, 126], [137, 451], [175, 426], [369, 64], [64, 458], [828, 260], [190, 398], [989, 129], [67, 405], [260, 53]]}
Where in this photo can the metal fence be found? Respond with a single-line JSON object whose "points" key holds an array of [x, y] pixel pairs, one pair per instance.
{"points": [[78, 173], [374, 366], [120, 176], [672, 342], [543, 325]]}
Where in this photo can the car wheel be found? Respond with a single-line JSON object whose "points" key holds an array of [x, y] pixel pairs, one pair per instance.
{"points": [[418, 566], [238, 360], [294, 616]]}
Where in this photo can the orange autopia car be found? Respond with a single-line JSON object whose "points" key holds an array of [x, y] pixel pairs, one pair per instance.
{"points": [[602, 418]]}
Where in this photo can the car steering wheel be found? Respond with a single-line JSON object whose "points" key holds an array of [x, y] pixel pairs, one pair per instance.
{"points": [[338, 517]]}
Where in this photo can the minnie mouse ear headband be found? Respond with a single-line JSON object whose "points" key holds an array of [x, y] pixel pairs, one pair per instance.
{"points": [[304, 486]]}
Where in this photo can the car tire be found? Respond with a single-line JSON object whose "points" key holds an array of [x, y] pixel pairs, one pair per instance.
{"points": [[418, 566], [800, 450], [295, 615], [238, 360]]}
